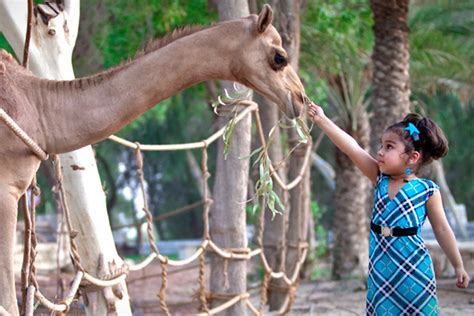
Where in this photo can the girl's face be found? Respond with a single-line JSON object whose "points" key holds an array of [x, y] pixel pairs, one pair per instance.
{"points": [[391, 157]]}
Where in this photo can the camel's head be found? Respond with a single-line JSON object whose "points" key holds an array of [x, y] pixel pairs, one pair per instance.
{"points": [[263, 65]]}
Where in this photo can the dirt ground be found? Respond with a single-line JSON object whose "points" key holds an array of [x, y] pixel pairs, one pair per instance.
{"points": [[313, 298], [348, 298]]}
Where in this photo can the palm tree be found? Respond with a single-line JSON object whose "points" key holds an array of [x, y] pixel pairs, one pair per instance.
{"points": [[348, 94], [348, 82], [390, 59], [342, 39]]}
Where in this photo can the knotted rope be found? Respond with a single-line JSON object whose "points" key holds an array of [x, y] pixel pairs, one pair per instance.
{"points": [[76, 258], [18, 131], [202, 285], [207, 244], [148, 215], [164, 283]]}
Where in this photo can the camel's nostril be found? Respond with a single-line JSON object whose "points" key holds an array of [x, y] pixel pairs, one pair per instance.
{"points": [[304, 99]]}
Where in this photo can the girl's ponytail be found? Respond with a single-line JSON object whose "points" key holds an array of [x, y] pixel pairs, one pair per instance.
{"points": [[432, 142]]}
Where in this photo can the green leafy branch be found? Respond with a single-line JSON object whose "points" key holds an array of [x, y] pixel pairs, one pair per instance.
{"points": [[231, 101], [264, 186], [264, 192]]}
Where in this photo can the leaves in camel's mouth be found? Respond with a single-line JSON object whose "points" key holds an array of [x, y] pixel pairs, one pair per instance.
{"points": [[264, 189]]}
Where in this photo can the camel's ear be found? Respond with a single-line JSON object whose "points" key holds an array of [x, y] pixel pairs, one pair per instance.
{"points": [[264, 18]]}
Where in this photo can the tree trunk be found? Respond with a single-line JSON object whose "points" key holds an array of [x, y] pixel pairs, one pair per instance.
{"points": [[253, 7], [350, 222], [50, 57], [287, 17], [390, 57], [228, 218]]}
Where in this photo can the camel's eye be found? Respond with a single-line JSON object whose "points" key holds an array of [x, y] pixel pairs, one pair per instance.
{"points": [[280, 60]]}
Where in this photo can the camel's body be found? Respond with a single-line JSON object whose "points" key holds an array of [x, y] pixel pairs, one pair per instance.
{"points": [[65, 115]]}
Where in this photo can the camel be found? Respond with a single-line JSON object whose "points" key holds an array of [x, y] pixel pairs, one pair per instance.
{"points": [[61, 116]]}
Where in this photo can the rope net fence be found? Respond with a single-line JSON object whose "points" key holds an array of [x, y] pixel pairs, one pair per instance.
{"points": [[82, 278]]}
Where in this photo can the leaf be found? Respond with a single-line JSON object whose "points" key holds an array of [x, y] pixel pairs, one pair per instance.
{"points": [[253, 153], [301, 134], [227, 137], [279, 202], [219, 99], [226, 93], [255, 208]]}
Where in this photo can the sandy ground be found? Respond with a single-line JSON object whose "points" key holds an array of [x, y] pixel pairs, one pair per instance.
{"points": [[348, 298], [313, 298]]}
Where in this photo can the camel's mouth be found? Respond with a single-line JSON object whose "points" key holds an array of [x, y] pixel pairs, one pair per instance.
{"points": [[290, 108], [294, 105]]}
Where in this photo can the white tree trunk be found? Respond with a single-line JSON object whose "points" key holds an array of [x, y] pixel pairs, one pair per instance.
{"points": [[50, 57]]}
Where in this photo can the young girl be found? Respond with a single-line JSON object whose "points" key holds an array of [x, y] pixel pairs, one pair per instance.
{"points": [[401, 279]]}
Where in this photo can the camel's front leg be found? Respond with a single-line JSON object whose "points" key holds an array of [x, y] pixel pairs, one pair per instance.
{"points": [[8, 215]]}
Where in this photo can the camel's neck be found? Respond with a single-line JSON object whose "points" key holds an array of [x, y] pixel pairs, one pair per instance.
{"points": [[85, 111]]}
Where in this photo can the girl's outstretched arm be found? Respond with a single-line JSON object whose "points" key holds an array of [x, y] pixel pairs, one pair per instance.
{"points": [[361, 158], [445, 237]]}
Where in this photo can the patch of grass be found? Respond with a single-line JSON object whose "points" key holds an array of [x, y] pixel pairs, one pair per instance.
{"points": [[320, 273]]}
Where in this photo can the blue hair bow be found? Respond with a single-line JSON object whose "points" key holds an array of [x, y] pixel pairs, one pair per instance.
{"points": [[414, 132]]}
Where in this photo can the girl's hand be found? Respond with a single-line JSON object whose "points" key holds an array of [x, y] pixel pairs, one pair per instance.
{"points": [[315, 112], [462, 278]]}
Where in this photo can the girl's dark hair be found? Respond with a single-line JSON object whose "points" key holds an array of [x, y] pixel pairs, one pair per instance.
{"points": [[432, 143]]}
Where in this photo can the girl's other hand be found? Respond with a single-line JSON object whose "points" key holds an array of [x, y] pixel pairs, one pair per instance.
{"points": [[315, 112], [462, 278]]}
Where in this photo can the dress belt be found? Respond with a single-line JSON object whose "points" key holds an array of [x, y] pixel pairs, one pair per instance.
{"points": [[393, 231]]}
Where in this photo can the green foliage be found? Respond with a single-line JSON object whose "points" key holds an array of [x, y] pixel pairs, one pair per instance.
{"points": [[5, 45], [442, 45], [320, 231], [336, 39], [252, 214], [231, 101], [264, 193], [128, 25], [334, 29], [348, 92], [320, 271], [442, 76]]}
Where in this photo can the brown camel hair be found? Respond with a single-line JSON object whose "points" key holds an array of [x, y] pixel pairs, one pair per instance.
{"points": [[62, 116]]}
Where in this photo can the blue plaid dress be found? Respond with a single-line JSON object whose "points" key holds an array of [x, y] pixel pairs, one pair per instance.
{"points": [[401, 279]]}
